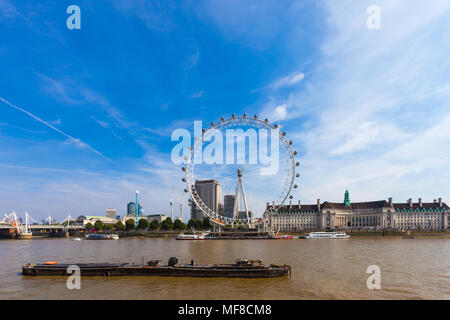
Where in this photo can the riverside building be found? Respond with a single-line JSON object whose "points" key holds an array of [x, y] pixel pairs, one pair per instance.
{"points": [[84, 220], [111, 213], [150, 217], [361, 215]]}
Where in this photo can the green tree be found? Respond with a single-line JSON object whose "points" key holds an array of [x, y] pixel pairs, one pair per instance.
{"points": [[191, 223], [108, 226], [142, 224], [98, 225], [119, 226], [154, 225], [179, 225], [130, 225], [206, 223], [167, 224], [89, 226], [198, 225], [227, 227]]}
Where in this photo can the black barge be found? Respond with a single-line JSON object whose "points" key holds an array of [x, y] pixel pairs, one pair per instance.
{"points": [[240, 269]]}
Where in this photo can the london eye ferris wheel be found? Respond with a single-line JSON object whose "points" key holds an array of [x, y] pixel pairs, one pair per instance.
{"points": [[251, 163]]}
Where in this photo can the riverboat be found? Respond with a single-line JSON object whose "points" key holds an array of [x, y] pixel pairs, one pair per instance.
{"points": [[102, 237], [240, 269], [191, 236], [325, 235], [284, 237]]}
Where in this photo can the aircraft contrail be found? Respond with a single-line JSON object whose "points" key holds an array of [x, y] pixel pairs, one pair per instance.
{"points": [[77, 141]]}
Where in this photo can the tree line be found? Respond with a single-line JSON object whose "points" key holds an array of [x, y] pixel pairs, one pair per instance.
{"points": [[154, 225]]}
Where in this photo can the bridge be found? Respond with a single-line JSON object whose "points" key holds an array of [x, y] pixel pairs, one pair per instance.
{"points": [[55, 227], [46, 227], [10, 226], [42, 230]]}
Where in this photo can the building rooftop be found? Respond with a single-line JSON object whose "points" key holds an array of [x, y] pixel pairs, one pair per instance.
{"points": [[206, 181], [425, 206], [296, 208], [96, 217], [355, 205], [93, 217]]}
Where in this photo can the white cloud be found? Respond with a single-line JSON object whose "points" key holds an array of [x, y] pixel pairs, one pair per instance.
{"points": [[198, 94], [73, 93], [377, 105], [276, 110], [156, 15], [56, 122], [192, 59], [279, 113], [289, 80], [8, 10], [366, 133]]}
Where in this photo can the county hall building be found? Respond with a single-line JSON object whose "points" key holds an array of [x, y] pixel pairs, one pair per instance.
{"points": [[360, 215]]}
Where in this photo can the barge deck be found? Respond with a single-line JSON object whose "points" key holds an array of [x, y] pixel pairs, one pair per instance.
{"points": [[241, 269]]}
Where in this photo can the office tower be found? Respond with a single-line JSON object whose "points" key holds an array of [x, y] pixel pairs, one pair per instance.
{"points": [[228, 206], [131, 208], [210, 192]]}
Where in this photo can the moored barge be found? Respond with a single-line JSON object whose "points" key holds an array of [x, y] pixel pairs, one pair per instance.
{"points": [[240, 269], [102, 237]]}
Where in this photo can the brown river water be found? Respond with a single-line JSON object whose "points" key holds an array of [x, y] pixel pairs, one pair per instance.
{"points": [[321, 268]]}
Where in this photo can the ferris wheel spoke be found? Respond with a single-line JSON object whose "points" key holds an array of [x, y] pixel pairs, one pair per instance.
{"points": [[285, 178]]}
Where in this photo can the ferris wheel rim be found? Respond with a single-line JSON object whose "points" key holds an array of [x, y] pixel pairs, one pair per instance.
{"points": [[226, 123]]}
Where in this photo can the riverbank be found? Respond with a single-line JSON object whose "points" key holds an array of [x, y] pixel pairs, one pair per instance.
{"points": [[353, 233], [255, 234], [391, 233], [387, 233]]}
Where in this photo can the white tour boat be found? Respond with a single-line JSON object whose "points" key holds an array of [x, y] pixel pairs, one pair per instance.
{"points": [[190, 237], [193, 236], [326, 235]]}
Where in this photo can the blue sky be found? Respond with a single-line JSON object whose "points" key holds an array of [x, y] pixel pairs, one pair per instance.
{"points": [[86, 115]]}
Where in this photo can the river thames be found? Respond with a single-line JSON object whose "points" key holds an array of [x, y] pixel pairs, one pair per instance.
{"points": [[321, 269]]}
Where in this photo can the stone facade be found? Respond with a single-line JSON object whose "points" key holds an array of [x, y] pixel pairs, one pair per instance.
{"points": [[361, 215]]}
